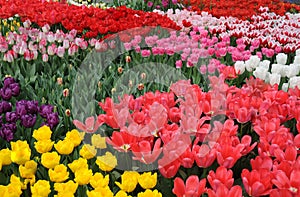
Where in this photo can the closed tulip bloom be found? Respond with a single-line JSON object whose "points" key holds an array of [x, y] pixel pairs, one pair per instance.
{"points": [[78, 164], [64, 147], [43, 133], [74, 136], [50, 159], [83, 176], [275, 78], [129, 181], [281, 58], [41, 189], [59, 173], [88, 151], [28, 170], [107, 162], [239, 67], [20, 152], [147, 181], [97, 180]]}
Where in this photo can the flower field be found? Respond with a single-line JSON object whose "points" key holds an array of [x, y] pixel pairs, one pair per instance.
{"points": [[183, 98]]}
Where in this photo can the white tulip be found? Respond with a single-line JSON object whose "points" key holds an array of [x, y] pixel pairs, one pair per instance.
{"points": [[294, 81], [281, 58], [297, 59], [265, 64], [260, 72], [254, 60], [284, 70], [292, 70], [276, 68], [239, 67], [275, 78]]}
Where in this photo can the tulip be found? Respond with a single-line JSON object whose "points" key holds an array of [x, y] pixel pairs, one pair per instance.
{"points": [[192, 188]]}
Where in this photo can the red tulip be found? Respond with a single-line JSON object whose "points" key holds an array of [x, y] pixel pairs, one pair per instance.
{"points": [[192, 188], [204, 156], [291, 183], [144, 152], [257, 182], [261, 162], [227, 155], [221, 177], [122, 141]]}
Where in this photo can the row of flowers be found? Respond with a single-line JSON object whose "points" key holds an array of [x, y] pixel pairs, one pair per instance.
{"points": [[91, 22], [271, 30], [240, 9]]}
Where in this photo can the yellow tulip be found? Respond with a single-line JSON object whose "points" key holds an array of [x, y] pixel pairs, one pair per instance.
{"points": [[98, 141], [41, 189], [83, 176], [88, 151], [147, 181], [15, 186], [107, 162], [97, 180], [5, 157], [78, 164], [28, 170], [50, 159], [20, 152], [43, 146], [74, 136], [129, 181], [64, 147], [59, 173], [43, 133]]}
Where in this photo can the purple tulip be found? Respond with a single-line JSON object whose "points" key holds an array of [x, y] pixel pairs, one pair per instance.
{"points": [[7, 131], [5, 107], [8, 81], [32, 107], [28, 120], [44, 110], [6, 93], [21, 108], [52, 119], [15, 89], [11, 116]]}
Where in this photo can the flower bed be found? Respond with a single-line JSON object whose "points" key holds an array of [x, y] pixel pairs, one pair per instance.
{"points": [[121, 102]]}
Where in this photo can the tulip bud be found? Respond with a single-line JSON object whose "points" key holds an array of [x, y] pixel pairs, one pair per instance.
{"points": [[68, 112], [59, 81], [120, 70], [66, 92], [141, 86], [143, 75], [128, 59]]}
